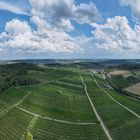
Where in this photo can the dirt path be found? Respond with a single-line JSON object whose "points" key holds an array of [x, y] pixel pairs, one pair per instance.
{"points": [[69, 84], [95, 111], [11, 107], [56, 120], [29, 127], [22, 99], [134, 113]]}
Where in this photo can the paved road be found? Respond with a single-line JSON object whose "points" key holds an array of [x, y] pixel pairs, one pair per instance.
{"points": [[134, 113], [95, 111]]}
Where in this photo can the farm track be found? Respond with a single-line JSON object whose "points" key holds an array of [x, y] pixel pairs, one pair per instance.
{"points": [[95, 111], [69, 84], [32, 123], [129, 97], [52, 119], [13, 106], [30, 126], [134, 113], [36, 116], [43, 83], [63, 88]]}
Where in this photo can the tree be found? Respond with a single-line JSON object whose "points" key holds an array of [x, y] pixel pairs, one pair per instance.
{"points": [[29, 136]]}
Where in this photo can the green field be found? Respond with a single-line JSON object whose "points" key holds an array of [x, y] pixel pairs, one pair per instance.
{"points": [[121, 82], [58, 108], [121, 123], [137, 73]]}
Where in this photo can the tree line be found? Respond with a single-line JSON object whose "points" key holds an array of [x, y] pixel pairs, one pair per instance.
{"points": [[16, 75]]}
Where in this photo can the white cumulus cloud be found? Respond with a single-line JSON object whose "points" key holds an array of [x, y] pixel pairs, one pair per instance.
{"points": [[117, 35], [53, 20], [61, 12], [135, 7], [16, 26], [86, 13], [19, 36]]}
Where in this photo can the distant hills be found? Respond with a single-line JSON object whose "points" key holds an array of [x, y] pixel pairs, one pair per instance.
{"points": [[107, 62]]}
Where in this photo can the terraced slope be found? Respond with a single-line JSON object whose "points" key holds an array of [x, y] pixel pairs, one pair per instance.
{"points": [[59, 109], [121, 123], [64, 105], [13, 124], [57, 104], [46, 129]]}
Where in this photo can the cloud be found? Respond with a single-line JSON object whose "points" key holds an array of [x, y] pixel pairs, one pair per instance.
{"points": [[135, 7], [12, 8], [52, 20], [54, 12], [58, 12], [117, 36], [16, 27], [19, 36], [86, 13]]}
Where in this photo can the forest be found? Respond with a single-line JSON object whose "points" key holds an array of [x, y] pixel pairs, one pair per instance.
{"points": [[16, 75]]}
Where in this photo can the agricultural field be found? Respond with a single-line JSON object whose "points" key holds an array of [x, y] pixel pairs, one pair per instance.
{"points": [[67, 103], [135, 89], [123, 73], [121, 82], [118, 120], [122, 77], [137, 73]]}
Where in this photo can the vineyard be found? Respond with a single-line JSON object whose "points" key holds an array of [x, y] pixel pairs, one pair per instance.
{"points": [[67, 104]]}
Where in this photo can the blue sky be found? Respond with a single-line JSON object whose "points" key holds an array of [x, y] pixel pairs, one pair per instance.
{"points": [[69, 29]]}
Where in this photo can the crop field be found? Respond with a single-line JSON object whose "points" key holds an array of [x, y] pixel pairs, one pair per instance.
{"points": [[137, 73], [67, 104], [51, 74], [135, 89], [121, 82], [45, 129], [117, 119], [14, 124], [124, 73], [57, 101]]}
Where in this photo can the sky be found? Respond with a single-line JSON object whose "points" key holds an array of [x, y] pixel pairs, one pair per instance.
{"points": [[69, 29]]}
